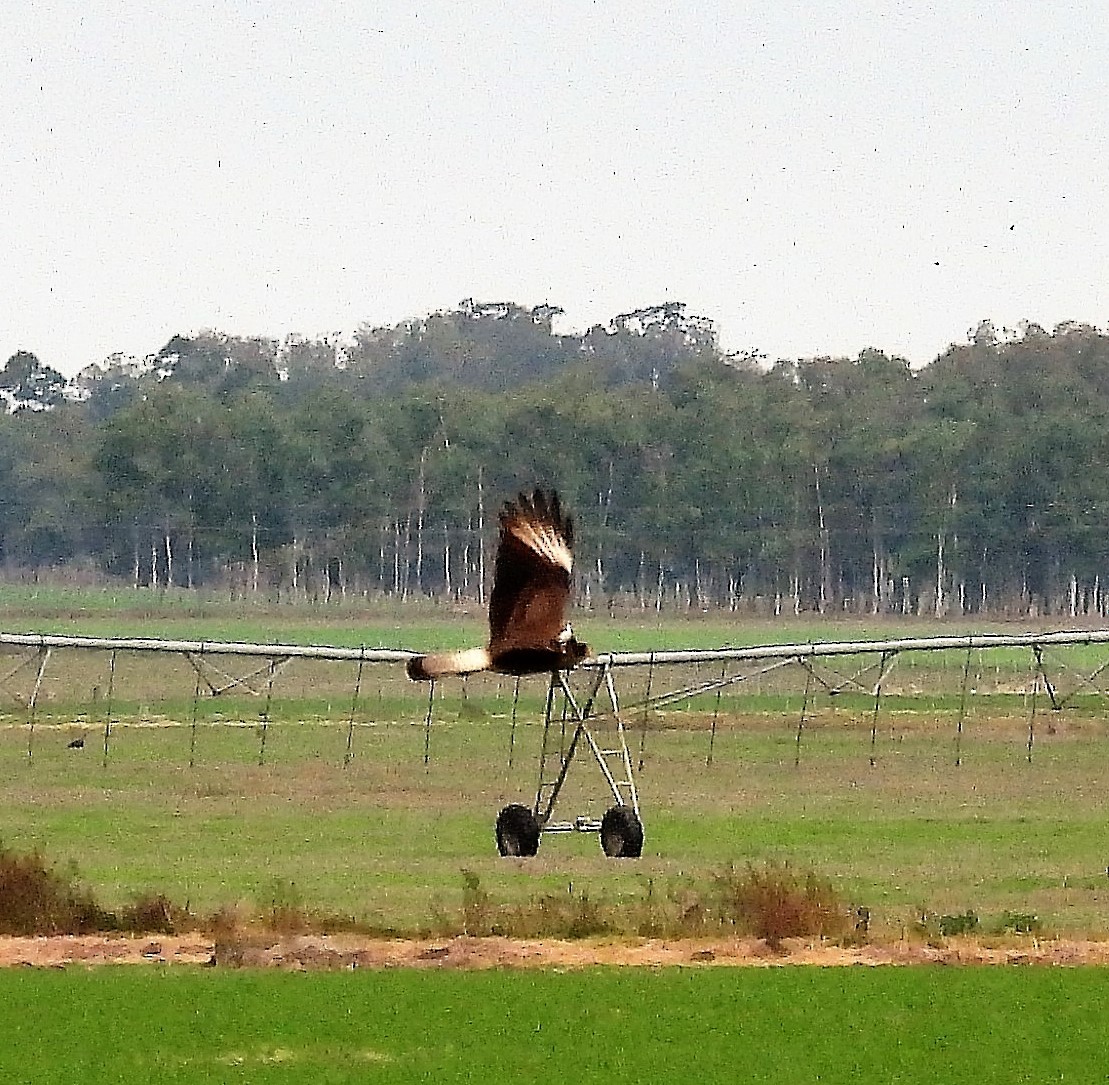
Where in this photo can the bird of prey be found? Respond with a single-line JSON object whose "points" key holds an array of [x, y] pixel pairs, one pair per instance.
{"points": [[528, 633]]}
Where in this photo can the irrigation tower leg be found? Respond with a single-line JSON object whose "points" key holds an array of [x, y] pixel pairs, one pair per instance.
{"points": [[621, 828]]}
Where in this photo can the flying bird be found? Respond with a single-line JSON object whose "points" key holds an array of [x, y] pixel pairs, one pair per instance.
{"points": [[528, 633]]}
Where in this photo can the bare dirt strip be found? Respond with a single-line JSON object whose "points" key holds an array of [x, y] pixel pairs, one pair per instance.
{"points": [[321, 952]]}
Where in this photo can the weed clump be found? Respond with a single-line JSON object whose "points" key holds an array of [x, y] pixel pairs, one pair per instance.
{"points": [[37, 900], [154, 913], [776, 902], [772, 903]]}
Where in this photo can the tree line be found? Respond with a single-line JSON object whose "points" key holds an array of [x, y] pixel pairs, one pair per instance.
{"points": [[699, 479]]}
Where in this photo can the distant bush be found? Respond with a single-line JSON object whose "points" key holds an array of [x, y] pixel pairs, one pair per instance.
{"points": [[38, 900], [154, 913], [1020, 923], [771, 903], [953, 925], [777, 902]]}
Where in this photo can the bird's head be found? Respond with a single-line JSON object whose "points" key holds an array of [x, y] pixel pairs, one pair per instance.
{"points": [[575, 651]]}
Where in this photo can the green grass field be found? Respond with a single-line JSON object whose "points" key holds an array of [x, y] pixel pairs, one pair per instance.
{"points": [[252, 800], [256, 803], [971, 1025]]}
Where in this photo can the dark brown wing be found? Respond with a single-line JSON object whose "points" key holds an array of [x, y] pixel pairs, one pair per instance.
{"points": [[531, 576]]}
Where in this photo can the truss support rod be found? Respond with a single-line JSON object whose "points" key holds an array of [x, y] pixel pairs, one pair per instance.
{"points": [[44, 658], [1085, 680], [889, 659], [661, 700], [1037, 651], [272, 666], [19, 666], [598, 754], [543, 816]]}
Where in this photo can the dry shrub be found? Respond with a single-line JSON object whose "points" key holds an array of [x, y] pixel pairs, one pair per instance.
{"points": [[478, 913], [287, 914], [772, 903], [154, 913], [549, 915], [36, 900], [776, 903], [230, 940], [555, 915]]}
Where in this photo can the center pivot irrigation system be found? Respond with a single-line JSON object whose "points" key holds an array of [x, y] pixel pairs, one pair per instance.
{"points": [[571, 719]]}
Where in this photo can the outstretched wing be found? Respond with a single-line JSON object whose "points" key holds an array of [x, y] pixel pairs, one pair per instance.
{"points": [[531, 577]]}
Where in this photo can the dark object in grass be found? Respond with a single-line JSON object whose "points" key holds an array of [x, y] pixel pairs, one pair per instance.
{"points": [[953, 925], [621, 833], [1020, 923], [517, 831], [76, 744], [862, 920]]}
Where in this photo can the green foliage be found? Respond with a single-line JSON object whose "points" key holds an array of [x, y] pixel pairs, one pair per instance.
{"points": [[300, 470]]}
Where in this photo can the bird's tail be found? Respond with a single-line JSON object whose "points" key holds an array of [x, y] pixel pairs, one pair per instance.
{"points": [[439, 664]]}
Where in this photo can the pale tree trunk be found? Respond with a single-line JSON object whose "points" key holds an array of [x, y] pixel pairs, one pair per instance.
{"points": [[447, 560], [940, 573], [396, 557], [878, 567], [420, 523], [604, 500], [189, 544], [466, 558], [941, 569], [824, 572], [407, 556], [481, 535], [254, 553]]}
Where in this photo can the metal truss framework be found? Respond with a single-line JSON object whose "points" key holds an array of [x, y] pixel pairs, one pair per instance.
{"points": [[830, 667]]}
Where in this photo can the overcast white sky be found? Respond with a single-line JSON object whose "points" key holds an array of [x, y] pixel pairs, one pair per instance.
{"points": [[816, 176]]}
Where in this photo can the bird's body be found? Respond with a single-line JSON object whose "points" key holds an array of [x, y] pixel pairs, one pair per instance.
{"points": [[528, 633]]}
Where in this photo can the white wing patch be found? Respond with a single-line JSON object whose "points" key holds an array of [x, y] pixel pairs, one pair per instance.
{"points": [[545, 541]]}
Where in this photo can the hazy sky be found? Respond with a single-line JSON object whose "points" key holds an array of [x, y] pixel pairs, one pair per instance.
{"points": [[816, 177]]}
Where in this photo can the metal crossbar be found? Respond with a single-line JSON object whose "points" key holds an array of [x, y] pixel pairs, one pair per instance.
{"points": [[737, 665], [615, 763]]}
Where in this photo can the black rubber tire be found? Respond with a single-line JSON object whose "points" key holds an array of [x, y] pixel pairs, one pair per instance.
{"points": [[517, 831], [621, 833]]}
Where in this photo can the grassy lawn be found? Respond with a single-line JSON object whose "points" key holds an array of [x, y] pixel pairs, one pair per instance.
{"points": [[313, 790], [253, 798], [183, 1025]]}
